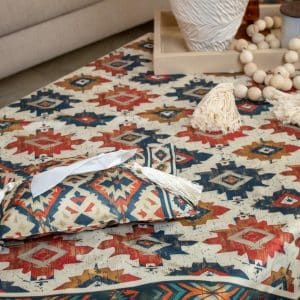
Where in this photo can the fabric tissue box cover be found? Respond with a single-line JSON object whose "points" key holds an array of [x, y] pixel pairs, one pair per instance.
{"points": [[85, 202]]}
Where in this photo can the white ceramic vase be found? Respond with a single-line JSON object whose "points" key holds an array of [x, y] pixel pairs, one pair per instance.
{"points": [[209, 25]]}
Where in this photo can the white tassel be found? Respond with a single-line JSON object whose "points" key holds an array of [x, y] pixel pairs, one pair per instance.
{"points": [[217, 111], [178, 186], [287, 110], [275, 94]]}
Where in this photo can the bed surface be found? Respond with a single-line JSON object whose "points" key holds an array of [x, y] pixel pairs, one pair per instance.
{"points": [[245, 244]]}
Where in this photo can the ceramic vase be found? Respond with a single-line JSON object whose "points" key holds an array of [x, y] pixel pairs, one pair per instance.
{"points": [[209, 25]]}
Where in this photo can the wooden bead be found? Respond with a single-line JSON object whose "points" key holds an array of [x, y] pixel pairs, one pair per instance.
{"points": [[252, 47], [241, 44], [263, 45], [294, 44], [257, 38], [246, 57], [274, 44], [277, 22], [250, 69], [240, 91], [291, 69], [277, 81], [281, 70], [296, 82], [270, 37], [269, 22], [267, 79], [259, 76], [252, 29], [287, 85], [261, 24], [291, 57], [254, 93]]}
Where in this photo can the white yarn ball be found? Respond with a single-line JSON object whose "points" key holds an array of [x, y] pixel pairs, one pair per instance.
{"points": [[250, 69], [267, 79], [252, 47], [270, 37], [277, 21], [291, 69], [261, 24], [268, 92], [269, 22], [241, 44], [259, 76], [296, 82], [275, 43], [277, 81], [294, 44], [257, 38], [287, 85], [254, 93], [246, 57], [263, 45], [252, 29], [281, 70], [240, 91], [291, 57]]}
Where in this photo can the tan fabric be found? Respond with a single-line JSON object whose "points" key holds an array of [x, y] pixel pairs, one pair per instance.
{"points": [[20, 14], [39, 43]]}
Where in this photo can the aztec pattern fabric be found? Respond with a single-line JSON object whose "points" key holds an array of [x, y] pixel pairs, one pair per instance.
{"points": [[88, 201], [244, 244]]}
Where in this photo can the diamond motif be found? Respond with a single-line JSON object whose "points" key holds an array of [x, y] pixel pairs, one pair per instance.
{"points": [[45, 102], [232, 180], [44, 142], [150, 78], [256, 239], [150, 248], [123, 98], [167, 114], [192, 91], [266, 150], [86, 119], [119, 64], [252, 237], [285, 201], [42, 255], [81, 82], [129, 136]]}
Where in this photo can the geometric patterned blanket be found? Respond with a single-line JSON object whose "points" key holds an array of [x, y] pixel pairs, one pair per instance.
{"points": [[244, 245]]}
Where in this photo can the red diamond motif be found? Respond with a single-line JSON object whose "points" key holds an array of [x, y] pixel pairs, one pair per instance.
{"points": [[253, 236], [43, 254]]}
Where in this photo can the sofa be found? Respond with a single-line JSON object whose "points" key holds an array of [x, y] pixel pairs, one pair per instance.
{"points": [[33, 31]]}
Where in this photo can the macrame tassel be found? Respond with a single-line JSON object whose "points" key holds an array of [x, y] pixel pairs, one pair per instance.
{"points": [[178, 186], [275, 94], [287, 110], [217, 111]]}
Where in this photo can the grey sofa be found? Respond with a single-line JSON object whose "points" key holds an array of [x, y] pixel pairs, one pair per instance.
{"points": [[33, 31]]}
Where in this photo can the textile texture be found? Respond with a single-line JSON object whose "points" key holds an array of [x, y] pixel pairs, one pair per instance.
{"points": [[243, 245], [88, 201]]}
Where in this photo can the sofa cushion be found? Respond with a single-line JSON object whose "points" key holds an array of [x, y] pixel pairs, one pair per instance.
{"points": [[19, 14]]}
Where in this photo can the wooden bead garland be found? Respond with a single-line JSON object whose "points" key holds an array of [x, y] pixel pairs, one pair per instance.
{"points": [[283, 77]]}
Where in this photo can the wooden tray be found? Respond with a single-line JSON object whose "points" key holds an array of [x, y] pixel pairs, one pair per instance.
{"points": [[171, 55]]}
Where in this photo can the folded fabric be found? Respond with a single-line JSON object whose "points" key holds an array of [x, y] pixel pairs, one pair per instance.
{"points": [[88, 201], [46, 180]]}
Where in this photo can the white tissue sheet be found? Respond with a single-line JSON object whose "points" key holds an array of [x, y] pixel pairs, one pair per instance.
{"points": [[46, 180]]}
